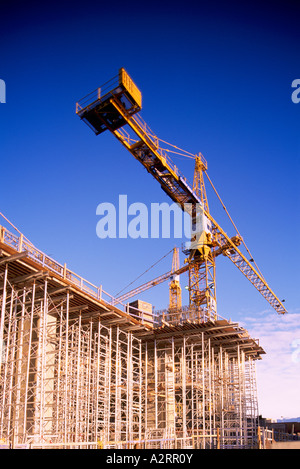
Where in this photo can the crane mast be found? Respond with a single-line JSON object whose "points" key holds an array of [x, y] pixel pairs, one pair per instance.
{"points": [[115, 107], [201, 259], [175, 299]]}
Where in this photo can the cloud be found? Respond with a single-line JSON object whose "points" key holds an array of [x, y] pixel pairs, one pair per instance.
{"points": [[278, 373]]}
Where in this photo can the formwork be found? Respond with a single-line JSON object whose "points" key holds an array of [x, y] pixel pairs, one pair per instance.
{"points": [[76, 371]]}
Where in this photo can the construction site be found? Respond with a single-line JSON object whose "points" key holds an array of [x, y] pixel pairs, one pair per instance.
{"points": [[83, 369]]}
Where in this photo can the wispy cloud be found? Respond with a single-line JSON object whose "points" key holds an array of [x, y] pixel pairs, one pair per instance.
{"points": [[278, 374]]}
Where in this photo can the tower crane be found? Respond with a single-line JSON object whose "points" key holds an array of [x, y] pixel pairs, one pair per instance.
{"points": [[116, 107], [175, 301]]}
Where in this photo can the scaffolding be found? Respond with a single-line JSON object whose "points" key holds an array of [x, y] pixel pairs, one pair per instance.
{"points": [[201, 388], [65, 379], [78, 372]]}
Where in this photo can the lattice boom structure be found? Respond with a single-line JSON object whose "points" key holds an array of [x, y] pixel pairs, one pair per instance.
{"points": [[78, 372]]}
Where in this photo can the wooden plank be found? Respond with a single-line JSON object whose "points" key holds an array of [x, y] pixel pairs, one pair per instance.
{"points": [[13, 257]]}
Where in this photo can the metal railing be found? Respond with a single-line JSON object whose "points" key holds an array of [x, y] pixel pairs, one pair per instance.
{"points": [[22, 244], [184, 314], [91, 99]]}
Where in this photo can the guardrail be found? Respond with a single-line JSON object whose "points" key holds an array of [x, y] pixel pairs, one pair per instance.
{"points": [[99, 93], [21, 244]]}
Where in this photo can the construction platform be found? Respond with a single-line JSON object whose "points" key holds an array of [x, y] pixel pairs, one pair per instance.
{"points": [[96, 109], [77, 371]]}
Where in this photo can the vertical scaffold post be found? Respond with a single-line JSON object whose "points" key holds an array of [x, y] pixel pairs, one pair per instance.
{"points": [[3, 313]]}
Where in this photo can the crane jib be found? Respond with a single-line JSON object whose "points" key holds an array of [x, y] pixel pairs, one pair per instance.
{"points": [[119, 107]]}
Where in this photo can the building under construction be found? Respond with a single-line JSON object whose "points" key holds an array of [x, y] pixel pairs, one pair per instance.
{"points": [[80, 368]]}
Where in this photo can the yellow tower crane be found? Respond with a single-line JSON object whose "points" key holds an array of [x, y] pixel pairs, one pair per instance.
{"points": [[175, 301], [115, 107]]}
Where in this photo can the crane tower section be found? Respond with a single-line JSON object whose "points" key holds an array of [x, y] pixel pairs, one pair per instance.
{"points": [[175, 299]]}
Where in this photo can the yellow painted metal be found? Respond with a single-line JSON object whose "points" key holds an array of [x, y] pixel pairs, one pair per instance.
{"points": [[141, 131], [233, 252], [145, 148], [127, 82], [175, 298], [202, 284]]}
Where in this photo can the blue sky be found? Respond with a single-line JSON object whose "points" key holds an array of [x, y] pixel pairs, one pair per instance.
{"points": [[215, 78]]}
